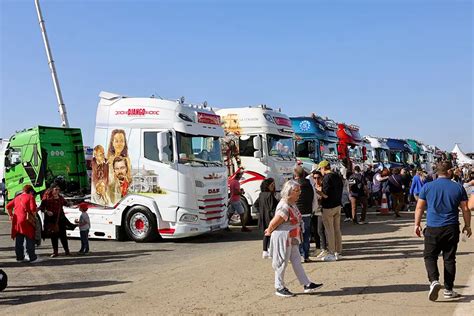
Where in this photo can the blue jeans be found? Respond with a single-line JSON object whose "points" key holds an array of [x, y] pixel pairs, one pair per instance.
{"points": [[304, 246], [20, 249], [84, 241]]}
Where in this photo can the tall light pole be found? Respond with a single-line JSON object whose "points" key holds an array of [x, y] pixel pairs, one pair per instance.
{"points": [[59, 96]]}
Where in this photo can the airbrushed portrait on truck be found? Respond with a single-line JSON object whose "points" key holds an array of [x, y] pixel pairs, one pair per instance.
{"points": [[157, 170]]}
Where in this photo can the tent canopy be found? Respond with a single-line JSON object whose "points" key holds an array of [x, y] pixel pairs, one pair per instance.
{"points": [[461, 156]]}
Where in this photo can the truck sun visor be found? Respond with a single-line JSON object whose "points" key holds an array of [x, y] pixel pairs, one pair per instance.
{"points": [[282, 121], [207, 118]]}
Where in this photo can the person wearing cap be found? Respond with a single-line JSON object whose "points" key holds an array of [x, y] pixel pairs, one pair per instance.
{"points": [[331, 202]]}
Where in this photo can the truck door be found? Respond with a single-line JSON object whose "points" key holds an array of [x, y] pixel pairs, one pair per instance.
{"points": [[156, 175]]}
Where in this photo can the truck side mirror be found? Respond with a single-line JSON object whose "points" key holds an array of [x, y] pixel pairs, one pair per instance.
{"points": [[257, 143], [257, 154], [163, 146]]}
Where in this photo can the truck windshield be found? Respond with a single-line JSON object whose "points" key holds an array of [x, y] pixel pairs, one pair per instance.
{"points": [[329, 150], [396, 156], [305, 148], [381, 155], [202, 150], [355, 152], [280, 146]]}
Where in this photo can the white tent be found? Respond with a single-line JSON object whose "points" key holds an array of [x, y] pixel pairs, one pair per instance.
{"points": [[461, 157]]}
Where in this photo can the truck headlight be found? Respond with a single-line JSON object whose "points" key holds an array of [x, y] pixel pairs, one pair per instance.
{"points": [[189, 218]]}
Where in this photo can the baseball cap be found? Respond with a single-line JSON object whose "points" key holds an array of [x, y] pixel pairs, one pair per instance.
{"points": [[83, 206], [323, 164]]}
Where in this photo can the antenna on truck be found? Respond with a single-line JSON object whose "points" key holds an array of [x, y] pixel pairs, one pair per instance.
{"points": [[59, 96]]}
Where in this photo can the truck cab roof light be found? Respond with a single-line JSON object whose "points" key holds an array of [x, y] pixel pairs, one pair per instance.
{"points": [[269, 118], [184, 117]]}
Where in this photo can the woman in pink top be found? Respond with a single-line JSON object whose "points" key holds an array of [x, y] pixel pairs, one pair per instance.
{"points": [[286, 229]]}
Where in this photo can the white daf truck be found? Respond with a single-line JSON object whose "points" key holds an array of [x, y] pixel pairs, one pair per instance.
{"points": [[259, 141], [157, 169], [379, 149]]}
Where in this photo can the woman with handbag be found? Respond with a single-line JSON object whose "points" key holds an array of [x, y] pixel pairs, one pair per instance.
{"points": [[22, 214], [54, 220]]}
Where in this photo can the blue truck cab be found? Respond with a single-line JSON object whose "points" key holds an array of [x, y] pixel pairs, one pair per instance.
{"points": [[400, 153], [315, 141]]}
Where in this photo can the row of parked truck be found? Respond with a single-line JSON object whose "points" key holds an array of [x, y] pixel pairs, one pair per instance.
{"points": [[160, 167]]}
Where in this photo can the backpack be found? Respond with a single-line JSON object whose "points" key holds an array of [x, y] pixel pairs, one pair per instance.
{"points": [[355, 184]]}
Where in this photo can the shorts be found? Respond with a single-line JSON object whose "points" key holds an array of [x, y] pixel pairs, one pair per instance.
{"points": [[236, 207]]}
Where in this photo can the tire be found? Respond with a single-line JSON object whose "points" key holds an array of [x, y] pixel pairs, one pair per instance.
{"points": [[247, 214], [3, 280], [140, 224]]}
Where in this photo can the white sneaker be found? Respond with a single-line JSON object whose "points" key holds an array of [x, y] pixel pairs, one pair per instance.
{"points": [[434, 289], [322, 254], [451, 294], [38, 259], [337, 256], [329, 258], [347, 219], [265, 255]]}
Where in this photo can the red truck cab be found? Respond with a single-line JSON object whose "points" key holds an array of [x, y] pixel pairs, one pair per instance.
{"points": [[349, 140]]}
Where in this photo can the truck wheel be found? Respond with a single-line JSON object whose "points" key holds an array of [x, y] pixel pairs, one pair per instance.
{"points": [[247, 214], [140, 225]]}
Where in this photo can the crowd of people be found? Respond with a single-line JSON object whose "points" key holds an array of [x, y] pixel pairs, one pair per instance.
{"points": [[309, 207], [311, 204]]}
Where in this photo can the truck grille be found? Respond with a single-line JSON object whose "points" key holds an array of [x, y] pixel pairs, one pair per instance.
{"points": [[212, 208]]}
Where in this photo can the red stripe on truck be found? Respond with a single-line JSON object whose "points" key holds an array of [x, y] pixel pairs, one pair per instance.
{"points": [[166, 231]]}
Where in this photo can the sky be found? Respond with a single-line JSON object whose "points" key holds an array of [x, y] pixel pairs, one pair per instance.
{"points": [[396, 68]]}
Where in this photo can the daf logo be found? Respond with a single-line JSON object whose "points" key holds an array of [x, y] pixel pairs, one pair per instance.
{"points": [[213, 191]]}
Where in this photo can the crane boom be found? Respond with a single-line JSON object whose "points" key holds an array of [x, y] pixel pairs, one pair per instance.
{"points": [[59, 96]]}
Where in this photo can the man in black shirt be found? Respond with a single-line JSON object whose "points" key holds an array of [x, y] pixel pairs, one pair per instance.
{"points": [[331, 203], [305, 205]]}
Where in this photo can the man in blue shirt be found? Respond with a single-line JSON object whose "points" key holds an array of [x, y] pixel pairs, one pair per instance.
{"points": [[442, 199]]}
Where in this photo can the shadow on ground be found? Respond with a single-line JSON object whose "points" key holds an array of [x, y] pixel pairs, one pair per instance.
{"points": [[60, 293], [233, 235], [92, 258], [389, 248], [383, 289]]}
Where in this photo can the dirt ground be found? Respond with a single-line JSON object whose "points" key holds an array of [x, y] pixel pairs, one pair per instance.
{"points": [[382, 272]]}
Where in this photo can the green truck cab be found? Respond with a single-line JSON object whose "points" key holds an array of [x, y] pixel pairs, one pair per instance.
{"points": [[42, 155]]}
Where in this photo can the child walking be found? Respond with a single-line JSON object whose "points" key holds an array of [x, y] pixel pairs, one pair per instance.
{"points": [[84, 226]]}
